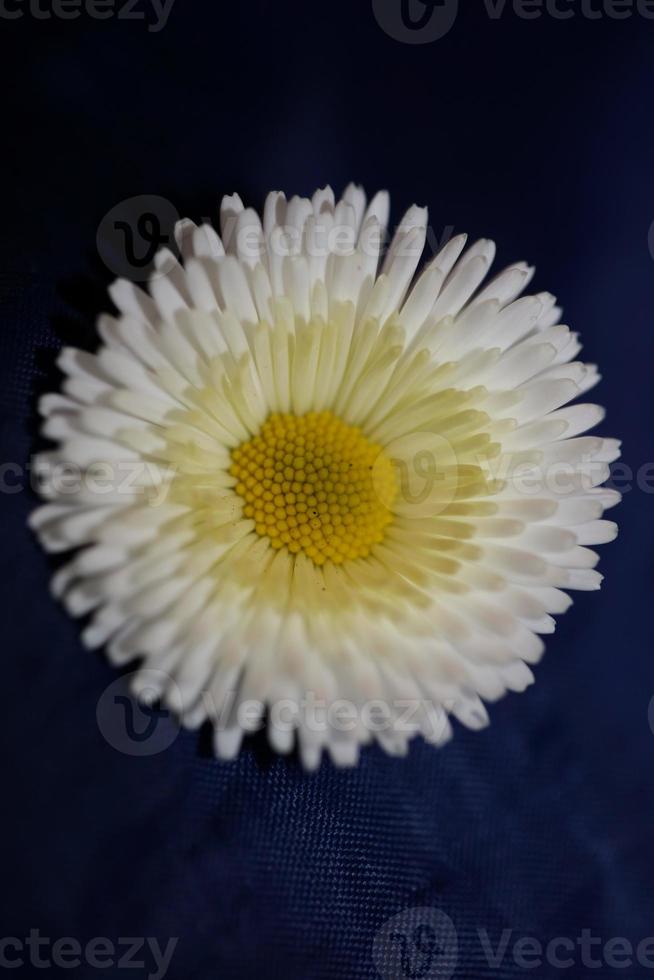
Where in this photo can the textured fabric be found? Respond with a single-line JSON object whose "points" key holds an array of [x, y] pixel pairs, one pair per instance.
{"points": [[537, 133]]}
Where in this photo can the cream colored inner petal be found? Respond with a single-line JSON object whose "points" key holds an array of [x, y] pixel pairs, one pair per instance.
{"points": [[364, 500]]}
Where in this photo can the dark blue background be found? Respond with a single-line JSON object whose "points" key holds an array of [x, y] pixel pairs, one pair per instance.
{"points": [[537, 133]]}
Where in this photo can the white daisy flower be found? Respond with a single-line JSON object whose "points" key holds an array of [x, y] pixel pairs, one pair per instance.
{"points": [[313, 493]]}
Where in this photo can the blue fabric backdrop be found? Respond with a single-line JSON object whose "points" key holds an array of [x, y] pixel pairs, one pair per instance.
{"points": [[535, 132]]}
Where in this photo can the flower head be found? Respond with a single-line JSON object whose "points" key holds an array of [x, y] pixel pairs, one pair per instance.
{"points": [[307, 481]]}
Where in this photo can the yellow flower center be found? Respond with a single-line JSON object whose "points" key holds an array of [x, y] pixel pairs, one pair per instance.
{"points": [[313, 484]]}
